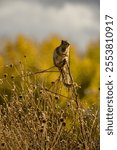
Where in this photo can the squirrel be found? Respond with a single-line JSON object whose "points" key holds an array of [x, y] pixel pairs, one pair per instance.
{"points": [[61, 61]]}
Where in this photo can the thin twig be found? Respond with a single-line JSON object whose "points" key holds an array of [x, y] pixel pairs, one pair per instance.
{"points": [[46, 70], [38, 72], [56, 93]]}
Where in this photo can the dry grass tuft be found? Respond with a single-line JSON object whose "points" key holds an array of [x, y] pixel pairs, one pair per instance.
{"points": [[36, 115]]}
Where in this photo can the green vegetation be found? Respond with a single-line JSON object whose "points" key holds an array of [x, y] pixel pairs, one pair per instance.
{"points": [[37, 111]]}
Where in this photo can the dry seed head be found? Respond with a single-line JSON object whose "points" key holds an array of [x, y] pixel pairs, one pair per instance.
{"points": [[64, 124], [11, 65], [62, 111], [12, 77], [61, 119], [2, 144], [20, 96], [56, 97], [5, 75], [41, 92], [44, 121], [20, 62], [68, 104], [41, 130], [40, 118], [42, 126], [52, 82], [34, 87]]}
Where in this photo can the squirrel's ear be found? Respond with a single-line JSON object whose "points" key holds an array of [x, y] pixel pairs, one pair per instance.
{"points": [[62, 41]]}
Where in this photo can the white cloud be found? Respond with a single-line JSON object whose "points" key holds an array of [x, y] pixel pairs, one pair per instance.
{"points": [[80, 23]]}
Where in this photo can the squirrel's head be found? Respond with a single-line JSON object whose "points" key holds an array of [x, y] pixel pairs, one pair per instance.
{"points": [[65, 43]]}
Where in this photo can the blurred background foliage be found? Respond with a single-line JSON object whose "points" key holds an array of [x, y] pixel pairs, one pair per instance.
{"points": [[38, 56]]}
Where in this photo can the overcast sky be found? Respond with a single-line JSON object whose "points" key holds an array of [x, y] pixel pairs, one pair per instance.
{"points": [[76, 20]]}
